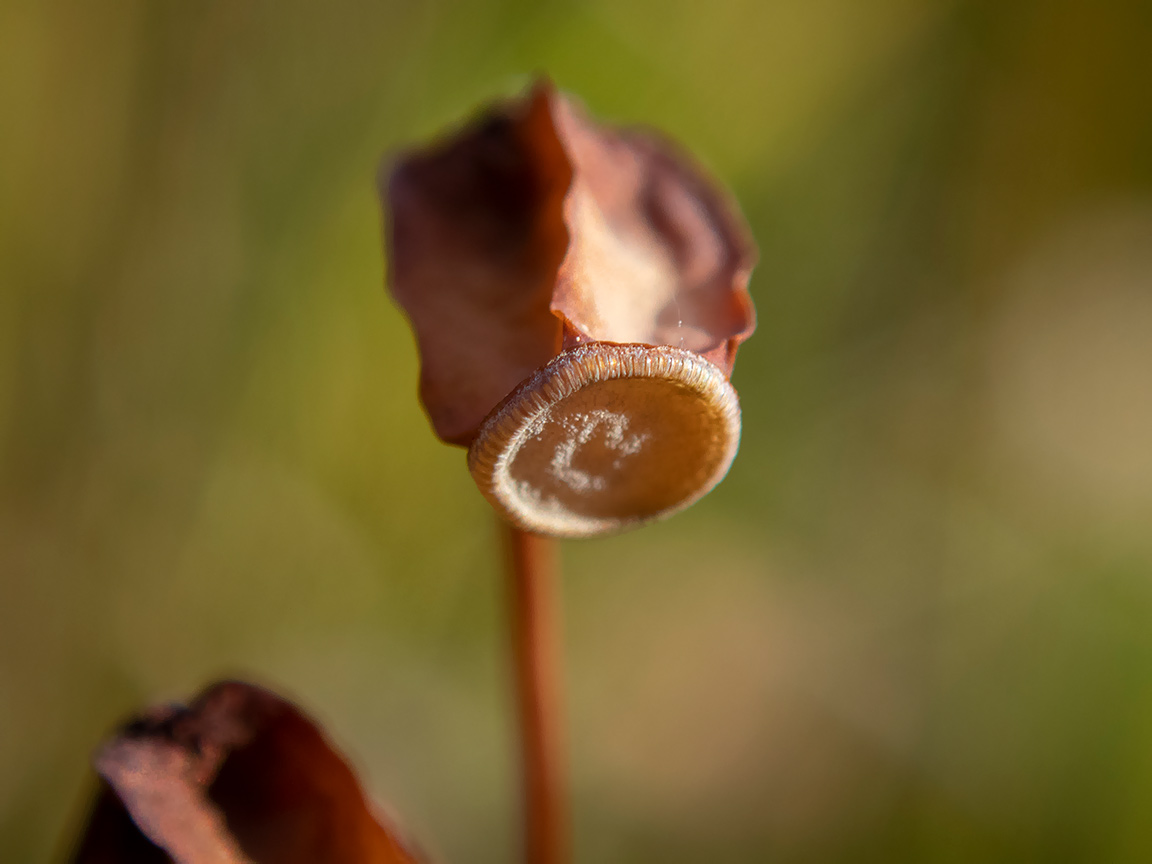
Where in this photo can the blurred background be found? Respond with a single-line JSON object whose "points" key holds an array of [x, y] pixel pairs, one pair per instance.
{"points": [[914, 624]]}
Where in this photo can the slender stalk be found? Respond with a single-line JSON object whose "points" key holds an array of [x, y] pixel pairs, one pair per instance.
{"points": [[535, 625]]}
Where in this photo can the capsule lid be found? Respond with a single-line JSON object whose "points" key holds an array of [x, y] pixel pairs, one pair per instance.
{"points": [[606, 437]]}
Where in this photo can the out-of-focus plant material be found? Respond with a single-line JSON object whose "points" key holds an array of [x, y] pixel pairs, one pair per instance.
{"points": [[535, 230], [911, 626], [238, 776]]}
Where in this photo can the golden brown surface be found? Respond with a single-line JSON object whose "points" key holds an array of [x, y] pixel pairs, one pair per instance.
{"points": [[607, 437]]}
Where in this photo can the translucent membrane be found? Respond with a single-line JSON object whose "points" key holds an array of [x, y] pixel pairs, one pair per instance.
{"points": [[605, 437]]}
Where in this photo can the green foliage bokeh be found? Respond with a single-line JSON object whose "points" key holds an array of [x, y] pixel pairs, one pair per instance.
{"points": [[911, 626]]}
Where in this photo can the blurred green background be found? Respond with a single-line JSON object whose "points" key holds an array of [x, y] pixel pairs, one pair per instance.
{"points": [[914, 624]]}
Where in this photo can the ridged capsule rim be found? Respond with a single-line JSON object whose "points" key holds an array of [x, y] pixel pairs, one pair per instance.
{"points": [[510, 423]]}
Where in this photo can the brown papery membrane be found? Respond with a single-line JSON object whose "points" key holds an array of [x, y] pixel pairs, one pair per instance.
{"points": [[658, 254], [238, 776], [534, 230]]}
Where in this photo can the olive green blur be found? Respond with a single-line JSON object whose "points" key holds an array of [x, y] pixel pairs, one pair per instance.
{"points": [[913, 625]]}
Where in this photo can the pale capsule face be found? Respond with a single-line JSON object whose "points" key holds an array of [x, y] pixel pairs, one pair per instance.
{"points": [[606, 437]]}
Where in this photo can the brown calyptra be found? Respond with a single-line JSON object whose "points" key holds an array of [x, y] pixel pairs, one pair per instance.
{"points": [[238, 776], [578, 295]]}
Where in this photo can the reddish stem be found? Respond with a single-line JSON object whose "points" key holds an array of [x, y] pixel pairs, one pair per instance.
{"points": [[536, 649]]}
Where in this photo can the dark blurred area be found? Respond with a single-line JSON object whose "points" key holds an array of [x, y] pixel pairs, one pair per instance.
{"points": [[913, 625]]}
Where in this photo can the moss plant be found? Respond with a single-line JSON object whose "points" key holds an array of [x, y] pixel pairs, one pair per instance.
{"points": [[578, 295]]}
